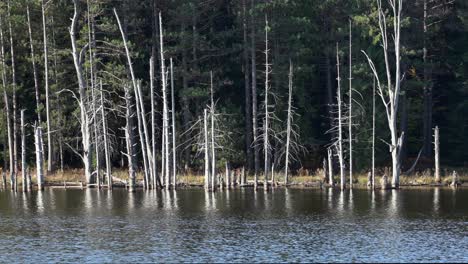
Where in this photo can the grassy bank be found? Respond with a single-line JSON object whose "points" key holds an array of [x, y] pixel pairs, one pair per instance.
{"points": [[360, 179]]}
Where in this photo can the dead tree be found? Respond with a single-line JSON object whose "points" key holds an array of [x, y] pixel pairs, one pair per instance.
{"points": [[373, 134], [254, 95], [33, 62], [153, 118], [266, 127], [46, 84], [390, 92], [288, 128], [330, 166], [350, 108], [339, 143], [174, 165], [23, 153], [39, 160], [213, 146], [106, 142], [7, 107], [82, 100], [142, 127], [130, 139], [165, 108], [14, 112], [436, 154], [206, 149]]}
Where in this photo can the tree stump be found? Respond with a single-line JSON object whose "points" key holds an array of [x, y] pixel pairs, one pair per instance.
{"points": [[384, 182]]}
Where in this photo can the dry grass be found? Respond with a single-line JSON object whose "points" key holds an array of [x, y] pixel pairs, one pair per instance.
{"points": [[360, 179]]}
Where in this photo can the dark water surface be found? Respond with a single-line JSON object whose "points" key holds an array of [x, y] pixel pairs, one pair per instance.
{"points": [[294, 225]]}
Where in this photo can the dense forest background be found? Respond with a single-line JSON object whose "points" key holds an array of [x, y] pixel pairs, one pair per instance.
{"points": [[222, 36]]}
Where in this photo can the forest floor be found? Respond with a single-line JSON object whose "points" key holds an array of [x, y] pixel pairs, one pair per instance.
{"points": [[360, 180]]}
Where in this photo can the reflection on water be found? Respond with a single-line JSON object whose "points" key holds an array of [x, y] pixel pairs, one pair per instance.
{"points": [[282, 225]]}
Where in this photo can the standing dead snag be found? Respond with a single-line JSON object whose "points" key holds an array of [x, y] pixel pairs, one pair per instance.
{"points": [[82, 101], [373, 134], [153, 119], [46, 84], [350, 109], [339, 143], [142, 127], [206, 149], [266, 143], [130, 139], [106, 143], [23, 153], [165, 109], [7, 106], [39, 160], [14, 115], [213, 152], [33, 62], [174, 165], [288, 128], [436, 154], [390, 92], [330, 166]]}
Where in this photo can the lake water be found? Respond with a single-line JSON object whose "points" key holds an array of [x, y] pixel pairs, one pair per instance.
{"points": [[284, 225]]}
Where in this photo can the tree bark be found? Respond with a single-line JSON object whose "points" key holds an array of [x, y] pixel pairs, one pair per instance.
{"points": [[106, 142], [165, 107], [350, 106], [130, 139], [266, 143], [207, 156]]}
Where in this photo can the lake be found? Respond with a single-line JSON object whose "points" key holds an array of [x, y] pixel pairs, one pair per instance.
{"points": [[190, 225]]}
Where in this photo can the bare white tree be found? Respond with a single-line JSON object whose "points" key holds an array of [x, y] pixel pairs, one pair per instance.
{"points": [[7, 107], [23, 153], [39, 160], [436, 154], [174, 149], [106, 141], [390, 92], [46, 84], [82, 100]]}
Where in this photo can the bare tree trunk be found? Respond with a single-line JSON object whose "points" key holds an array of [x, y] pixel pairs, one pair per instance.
{"points": [[213, 152], [266, 143], [390, 97], [14, 115], [46, 84], [129, 139], [289, 120], [142, 127], [33, 61], [254, 92], [228, 176], [83, 102], [248, 103], [373, 134], [174, 165], [340, 125], [23, 153], [39, 161], [7, 108], [436, 154], [207, 156], [153, 119], [106, 142], [165, 107], [330, 166], [350, 106], [93, 95]]}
